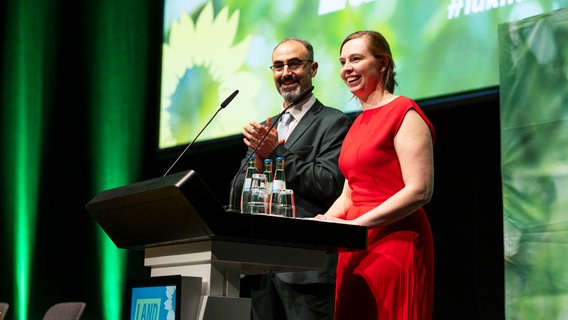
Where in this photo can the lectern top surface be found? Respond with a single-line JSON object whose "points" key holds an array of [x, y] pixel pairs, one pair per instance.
{"points": [[181, 208]]}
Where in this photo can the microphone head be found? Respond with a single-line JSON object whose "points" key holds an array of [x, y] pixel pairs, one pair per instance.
{"points": [[229, 99]]}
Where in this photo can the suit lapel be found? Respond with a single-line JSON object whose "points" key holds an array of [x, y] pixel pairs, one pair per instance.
{"points": [[304, 124]]}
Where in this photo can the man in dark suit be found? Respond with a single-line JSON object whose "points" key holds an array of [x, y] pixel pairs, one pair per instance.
{"points": [[311, 149]]}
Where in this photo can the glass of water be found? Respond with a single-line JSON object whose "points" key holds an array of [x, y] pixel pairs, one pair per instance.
{"points": [[284, 205], [258, 198]]}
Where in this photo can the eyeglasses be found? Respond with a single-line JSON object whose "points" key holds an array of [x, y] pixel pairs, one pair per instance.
{"points": [[293, 65]]}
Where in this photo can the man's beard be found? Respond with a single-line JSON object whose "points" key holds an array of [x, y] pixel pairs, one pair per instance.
{"points": [[290, 95]]}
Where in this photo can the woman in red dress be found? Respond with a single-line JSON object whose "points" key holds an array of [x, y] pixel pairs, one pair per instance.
{"points": [[387, 161]]}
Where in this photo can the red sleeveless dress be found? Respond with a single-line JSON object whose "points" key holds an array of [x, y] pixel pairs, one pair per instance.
{"points": [[394, 277]]}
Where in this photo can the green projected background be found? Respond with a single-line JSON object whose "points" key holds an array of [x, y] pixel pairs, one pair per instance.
{"points": [[211, 48], [534, 155]]}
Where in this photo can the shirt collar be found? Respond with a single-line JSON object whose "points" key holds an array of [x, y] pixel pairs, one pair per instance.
{"points": [[299, 110]]}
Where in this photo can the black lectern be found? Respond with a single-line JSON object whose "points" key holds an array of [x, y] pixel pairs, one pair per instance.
{"points": [[184, 230]]}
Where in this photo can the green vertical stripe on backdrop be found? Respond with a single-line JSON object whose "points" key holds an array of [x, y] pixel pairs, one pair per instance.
{"points": [[26, 64], [117, 94], [113, 50], [113, 46]]}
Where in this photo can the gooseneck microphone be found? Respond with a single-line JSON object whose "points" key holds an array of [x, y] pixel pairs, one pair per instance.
{"points": [[226, 102], [232, 200], [222, 106]]}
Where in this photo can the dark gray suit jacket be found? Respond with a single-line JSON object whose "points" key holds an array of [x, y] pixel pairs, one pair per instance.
{"points": [[311, 153]]}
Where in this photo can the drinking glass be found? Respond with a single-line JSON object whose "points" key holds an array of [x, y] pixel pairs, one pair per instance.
{"points": [[258, 198], [284, 205]]}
